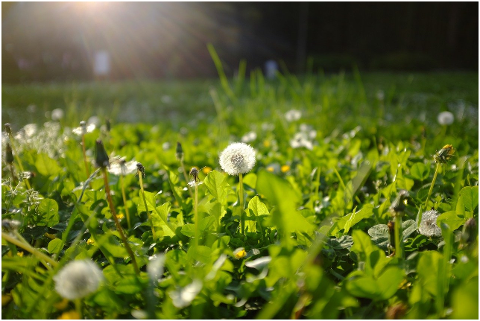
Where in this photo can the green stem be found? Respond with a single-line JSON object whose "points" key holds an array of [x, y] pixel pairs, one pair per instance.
{"points": [[140, 179], [125, 202], [20, 242], [195, 209], [117, 223], [78, 307], [186, 178], [20, 166], [398, 237], [419, 215], [240, 197], [87, 171]]}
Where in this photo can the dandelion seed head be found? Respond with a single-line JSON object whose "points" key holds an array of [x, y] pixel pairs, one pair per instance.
{"points": [[293, 115], [237, 158], [445, 118], [78, 279], [57, 114], [428, 226]]}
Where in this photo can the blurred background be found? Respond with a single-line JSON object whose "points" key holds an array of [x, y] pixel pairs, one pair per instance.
{"points": [[65, 41]]}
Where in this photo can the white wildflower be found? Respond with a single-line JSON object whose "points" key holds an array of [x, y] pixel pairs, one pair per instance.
{"points": [[268, 127], [94, 120], [445, 118], [237, 158], [293, 115], [249, 137], [122, 167], [78, 279], [301, 139], [155, 267], [182, 297], [192, 183], [57, 114], [428, 226], [84, 128]]}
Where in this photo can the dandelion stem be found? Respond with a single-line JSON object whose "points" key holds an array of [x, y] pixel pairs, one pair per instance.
{"points": [[20, 242], [186, 178], [240, 197], [87, 171], [12, 173], [195, 209], [117, 223], [125, 202], [398, 237], [140, 180], [419, 215], [20, 166], [78, 307]]}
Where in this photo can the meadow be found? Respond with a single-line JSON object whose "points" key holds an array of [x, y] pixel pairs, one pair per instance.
{"points": [[361, 200]]}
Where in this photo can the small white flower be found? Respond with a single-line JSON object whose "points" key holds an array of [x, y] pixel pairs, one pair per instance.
{"points": [[94, 120], [301, 139], [237, 158], [155, 267], [428, 226], [249, 137], [192, 183], [78, 279], [445, 118], [293, 115], [57, 114], [123, 168], [182, 297], [84, 128]]}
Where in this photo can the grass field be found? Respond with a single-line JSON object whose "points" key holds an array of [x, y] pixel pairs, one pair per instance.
{"points": [[360, 204]]}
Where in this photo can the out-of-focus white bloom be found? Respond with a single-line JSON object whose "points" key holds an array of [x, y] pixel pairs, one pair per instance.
{"points": [[78, 279], [57, 114], [155, 267], [122, 167], [166, 99], [166, 146], [26, 132], [380, 95], [237, 158], [445, 118], [31, 108], [308, 130], [182, 297], [46, 139], [301, 140], [267, 127], [84, 128], [293, 115], [94, 120], [428, 226], [249, 137], [192, 183]]}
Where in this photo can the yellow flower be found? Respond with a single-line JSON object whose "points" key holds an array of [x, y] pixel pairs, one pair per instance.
{"points": [[270, 169], [61, 305], [285, 168], [240, 253], [90, 241], [6, 298], [206, 170], [120, 216], [50, 236], [266, 143], [20, 254], [71, 315]]}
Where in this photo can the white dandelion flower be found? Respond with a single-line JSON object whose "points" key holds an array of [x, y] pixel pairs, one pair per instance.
{"points": [[301, 139], [237, 158], [249, 137], [293, 115], [78, 279], [428, 226], [57, 114], [445, 118], [123, 168], [84, 128]]}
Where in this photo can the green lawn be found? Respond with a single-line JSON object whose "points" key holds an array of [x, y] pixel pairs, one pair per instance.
{"points": [[305, 232]]}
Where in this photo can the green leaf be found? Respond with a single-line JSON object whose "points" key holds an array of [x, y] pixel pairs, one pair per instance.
{"points": [[427, 269], [150, 200], [199, 253], [451, 219], [353, 218], [361, 244], [217, 185], [465, 301], [467, 200], [55, 246], [420, 171], [128, 285], [380, 235], [389, 281], [188, 230], [257, 207], [408, 227], [48, 210], [47, 166], [160, 219], [108, 242], [280, 193]]}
